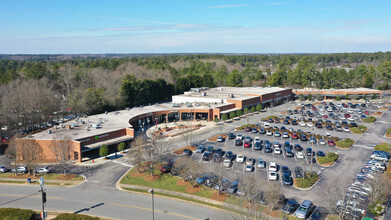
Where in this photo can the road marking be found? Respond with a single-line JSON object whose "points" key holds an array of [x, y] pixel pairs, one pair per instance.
{"points": [[17, 195], [363, 146], [123, 164], [156, 210]]}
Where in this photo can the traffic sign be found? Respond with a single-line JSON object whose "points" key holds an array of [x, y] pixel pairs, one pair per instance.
{"points": [[41, 181]]}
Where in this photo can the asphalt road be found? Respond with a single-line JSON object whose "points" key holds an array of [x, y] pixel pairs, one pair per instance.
{"points": [[98, 196]]}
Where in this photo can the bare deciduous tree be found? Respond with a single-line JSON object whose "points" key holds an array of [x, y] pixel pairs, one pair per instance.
{"points": [[381, 187], [332, 192], [135, 153], [189, 169], [62, 148], [221, 175], [272, 194], [30, 153]]}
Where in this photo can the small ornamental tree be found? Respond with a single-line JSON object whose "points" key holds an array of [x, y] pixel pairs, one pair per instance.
{"points": [[301, 97], [252, 109], [365, 97], [347, 96], [121, 146], [338, 98], [245, 111], [258, 107], [239, 113], [373, 96], [104, 151], [224, 117], [232, 115], [216, 119], [309, 97]]}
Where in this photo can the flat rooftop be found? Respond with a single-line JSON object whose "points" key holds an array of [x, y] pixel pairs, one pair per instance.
{"points": [[239, 93], [361, 89], [112, 121]]}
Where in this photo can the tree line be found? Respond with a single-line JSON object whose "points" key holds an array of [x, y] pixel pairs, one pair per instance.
{"points": [[37, 88]]}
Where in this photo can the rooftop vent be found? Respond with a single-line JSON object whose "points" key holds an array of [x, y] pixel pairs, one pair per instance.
{"points": [[203, 94], [231, 95]]}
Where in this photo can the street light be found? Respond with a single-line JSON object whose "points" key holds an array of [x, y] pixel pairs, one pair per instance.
{"points": [[153, 205]]}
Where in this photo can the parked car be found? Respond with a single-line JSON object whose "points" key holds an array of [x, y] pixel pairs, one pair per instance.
{"points": [[238, 142], [331, 143], [227, 163], [248, 129], [247, 144], [269, 133], [268, 148], [210, 149], [240, 158], [261, 163], [322, 142], [300, 155], [21, 169], [200, 149], [220, 139], [290, 206], [298, 147], [239, 137], [207, 156], [277, 134], [320, 154], [229, 155], [187, 152], [4, 169], [273, 176], [277, 150], [303, 138], [249, 168], [166, 168], [287, 179], [304, 210], [320, 213], [231, 136], [285, 135], [273, 166], [254, 130], [294, 136], [298, 172], [257, 146]]}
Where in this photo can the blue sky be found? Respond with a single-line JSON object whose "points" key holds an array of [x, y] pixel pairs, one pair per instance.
{"points": [[186, 26]]}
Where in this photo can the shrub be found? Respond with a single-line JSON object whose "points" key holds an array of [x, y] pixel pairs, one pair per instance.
{"points": [[247, 125], [309, 97], [121, 146], [216, 119], [252, 109], [338, 98], [370, 119], [345, 143], [104, 150], [15, 213], [70, 216], [232, 115], [239, 113], [259, 107], [384, 147], [329, 158], [388, 131], [245, 111], [308, 181], [224, 117]]}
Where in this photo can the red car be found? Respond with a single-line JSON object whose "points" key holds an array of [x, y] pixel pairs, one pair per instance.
{"points": [[294, 136], [331, 143], [325, 116], [247, 144], [366, 112], [347, 116], [248, 129]]}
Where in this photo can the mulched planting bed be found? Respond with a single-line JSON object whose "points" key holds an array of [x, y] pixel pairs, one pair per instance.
{"points": [[190, 189], [219, 197]]}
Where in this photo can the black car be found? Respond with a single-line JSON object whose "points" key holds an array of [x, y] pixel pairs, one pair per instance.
{"points": [[262, 131], [238, 143], [298, 172], [353, 124], [257, 146], [320, 213], [187, 152], [219, 152], [294, 122], [207, 156], [217, 158], [309, 151], [298, 147], [286, 122], [318, 125], [231, 136], [303, 138], [287, 179], [229, 155], [288, 152], [268, 148], [329, 127], [290, 206]]}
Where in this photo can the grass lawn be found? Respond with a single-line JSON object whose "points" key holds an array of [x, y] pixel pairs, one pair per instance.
{"points": [[50, 176], [165, 182], [345, 143], [388, 133], [369, 119], [383, 147], [308, 181], [361, 129], [329, 159]]}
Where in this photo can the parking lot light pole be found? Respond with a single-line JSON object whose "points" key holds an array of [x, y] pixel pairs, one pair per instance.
{"points": [[153, 204]]}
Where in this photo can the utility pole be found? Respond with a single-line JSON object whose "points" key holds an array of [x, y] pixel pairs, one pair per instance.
{"points": [[153, 204], [41, 183]]}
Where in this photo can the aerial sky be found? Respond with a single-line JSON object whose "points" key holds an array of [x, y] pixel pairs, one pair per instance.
{"points": [[194, 26]]}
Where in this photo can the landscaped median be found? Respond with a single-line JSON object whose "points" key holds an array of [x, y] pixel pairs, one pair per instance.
{"points": [[328, 160], [307, 182], [345, 143], [50, 179], [361, 129], [386, 147], [388, 133], [214, 138], [241, 128], [369, 119]]}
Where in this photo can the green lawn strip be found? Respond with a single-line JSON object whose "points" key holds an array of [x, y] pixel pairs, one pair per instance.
{"points": [[369, 119], [383, 147], [345, 143], [35, 183], [50, 176], [361, 129], [247, 125], [388, 132], [329, 158], [308, 181]]}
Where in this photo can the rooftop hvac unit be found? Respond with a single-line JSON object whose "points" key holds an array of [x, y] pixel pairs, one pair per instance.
{"points": [[231, 95], [203, 94]]}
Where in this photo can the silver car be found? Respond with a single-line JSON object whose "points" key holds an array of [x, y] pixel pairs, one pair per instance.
{"points": [[4, 169]]}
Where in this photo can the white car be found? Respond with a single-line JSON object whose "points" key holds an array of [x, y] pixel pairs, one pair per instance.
{"points": [[277, 151], [220, 139], [346, 129], [310, 124], [266, 125], [273, 176], [300, 155], [327, 134], [239, 137], [322, 142], [285, 135], [256, 139], [351, 119], [43, 170], [240, 158], [350, 111], [302, 124], [272, 167], [249, 168], [227, 163], [269, 133]]}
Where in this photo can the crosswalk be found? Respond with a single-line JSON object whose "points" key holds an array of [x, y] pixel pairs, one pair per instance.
{"points": [[123, 164], [363, 146]]}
